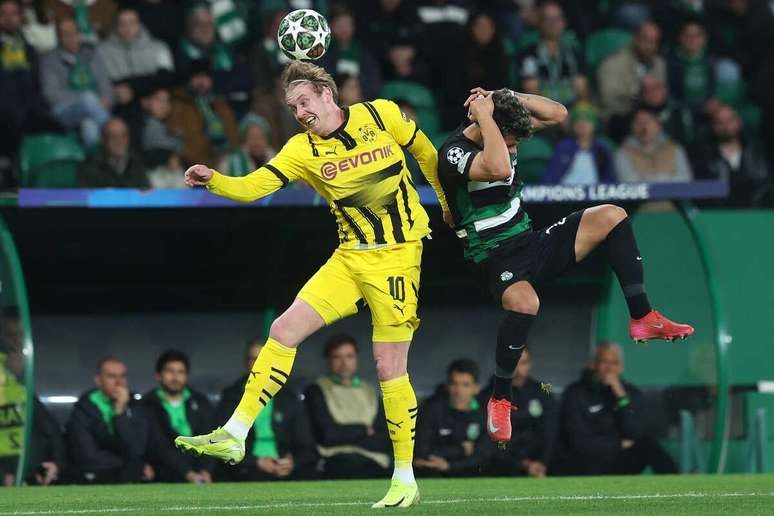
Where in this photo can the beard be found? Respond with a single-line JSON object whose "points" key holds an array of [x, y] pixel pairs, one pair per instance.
{"points": [[173, 390], [725, 137]]}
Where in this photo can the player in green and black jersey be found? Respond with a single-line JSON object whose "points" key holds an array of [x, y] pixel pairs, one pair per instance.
{"points": [[478, 172]]}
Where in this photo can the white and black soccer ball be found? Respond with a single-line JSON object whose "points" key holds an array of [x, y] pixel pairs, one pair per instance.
{"points": [[304, 34]]}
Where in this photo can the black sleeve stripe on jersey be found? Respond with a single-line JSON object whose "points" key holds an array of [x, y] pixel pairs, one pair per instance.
{"points": [[406, 207], [374, 113], [352, 224], [314, 147], [413, 136], [282, 177], [345, 138], [397, 224], [375, 222]]}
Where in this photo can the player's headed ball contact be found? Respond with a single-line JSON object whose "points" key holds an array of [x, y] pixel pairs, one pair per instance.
{"points": [[304, 34]]}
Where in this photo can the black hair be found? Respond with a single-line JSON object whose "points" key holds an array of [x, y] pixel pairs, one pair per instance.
{"points": [[172, 355], [104, 360], [463, 365], [341, 78], [693, 20], [339, 9], [334, 342], [510, 115]]}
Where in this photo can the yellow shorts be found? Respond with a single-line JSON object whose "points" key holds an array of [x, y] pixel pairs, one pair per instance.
{"points": [[386, 279]]}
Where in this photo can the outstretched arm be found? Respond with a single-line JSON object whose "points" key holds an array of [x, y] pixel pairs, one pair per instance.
{"points": [[285, 167], [545, 112], [259, 184]]}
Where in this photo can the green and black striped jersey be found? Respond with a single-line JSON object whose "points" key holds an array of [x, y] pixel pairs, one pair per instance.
{"points": [[485, 213]]}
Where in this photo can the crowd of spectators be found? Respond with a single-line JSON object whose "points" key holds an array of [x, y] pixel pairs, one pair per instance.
{"points": [[659, 91], [333, 428]]}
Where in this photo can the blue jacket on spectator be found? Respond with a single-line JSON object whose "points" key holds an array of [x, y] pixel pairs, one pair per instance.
{"points": [[564, 155]]}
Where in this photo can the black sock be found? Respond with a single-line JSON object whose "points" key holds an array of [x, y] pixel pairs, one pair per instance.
{"points": [[625, 259], [511, 340]]}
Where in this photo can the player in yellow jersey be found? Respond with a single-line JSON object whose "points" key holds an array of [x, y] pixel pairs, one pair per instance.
{"points": [[352, 157]]}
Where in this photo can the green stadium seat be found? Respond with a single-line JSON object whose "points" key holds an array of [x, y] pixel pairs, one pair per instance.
{"points": [[733, 93], [421, 98], [419, 95], [50, 161], [532, 158], [603, 43]]}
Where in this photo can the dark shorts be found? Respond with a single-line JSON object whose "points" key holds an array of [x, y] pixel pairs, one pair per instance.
{"points": [[536, 256]]}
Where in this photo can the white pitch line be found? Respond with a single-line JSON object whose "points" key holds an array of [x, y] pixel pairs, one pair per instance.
{"points": [[426, 502]]}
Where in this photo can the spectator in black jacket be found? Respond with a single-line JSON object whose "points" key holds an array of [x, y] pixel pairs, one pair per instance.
{"points": [[729, 156], [108, 431], [602, 422], [394, 32], [48, 452], [451, 439], [535, 425], [484, 58], [175, 409], [347, 417], [114, 164], [284, 448]]}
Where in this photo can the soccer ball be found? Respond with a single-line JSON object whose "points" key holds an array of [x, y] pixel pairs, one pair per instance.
{"points": [[304, 34]]}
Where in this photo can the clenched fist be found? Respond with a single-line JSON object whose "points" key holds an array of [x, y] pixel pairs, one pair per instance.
{"points": [[198, 175]]}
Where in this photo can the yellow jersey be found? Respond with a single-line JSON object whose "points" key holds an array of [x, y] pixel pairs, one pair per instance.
{"points": [[359, 169]]}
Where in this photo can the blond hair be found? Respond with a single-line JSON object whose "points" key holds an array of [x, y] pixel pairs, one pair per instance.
{"points": [[303, 71]]}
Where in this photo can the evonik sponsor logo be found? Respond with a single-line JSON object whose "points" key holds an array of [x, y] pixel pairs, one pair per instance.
{"points": [[330, 169]]}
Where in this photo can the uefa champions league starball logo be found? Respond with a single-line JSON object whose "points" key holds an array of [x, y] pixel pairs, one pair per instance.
{"points": [[454, 155]]}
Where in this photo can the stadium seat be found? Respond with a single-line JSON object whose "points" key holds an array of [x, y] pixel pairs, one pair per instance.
{"points": [[533, 156], [50, 161], [733, 93], [421, 98], [603, 43]]}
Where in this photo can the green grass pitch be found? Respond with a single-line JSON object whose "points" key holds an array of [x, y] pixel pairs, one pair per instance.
{"points": [[693, 494]]}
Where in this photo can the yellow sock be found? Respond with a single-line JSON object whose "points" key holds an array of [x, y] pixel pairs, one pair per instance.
{"points": [[270, 372], [400, 409]]}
